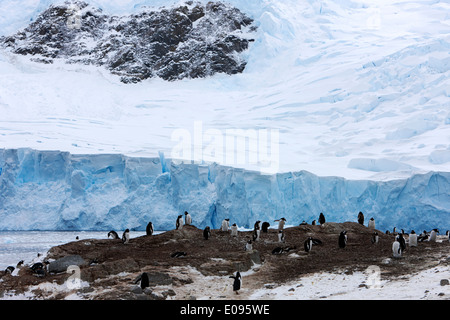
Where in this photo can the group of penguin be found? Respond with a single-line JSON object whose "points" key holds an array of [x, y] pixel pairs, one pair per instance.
{"points": [[37, 266], [398, 246]]}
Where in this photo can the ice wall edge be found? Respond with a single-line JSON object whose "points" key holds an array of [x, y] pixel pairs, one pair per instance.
{"points": [[53, 190]]}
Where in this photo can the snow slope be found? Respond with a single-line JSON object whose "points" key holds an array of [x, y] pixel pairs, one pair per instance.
{"points": [[357, 89]]}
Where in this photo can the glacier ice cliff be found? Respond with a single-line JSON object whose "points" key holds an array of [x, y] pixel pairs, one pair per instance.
{"points": [[53, 190]]}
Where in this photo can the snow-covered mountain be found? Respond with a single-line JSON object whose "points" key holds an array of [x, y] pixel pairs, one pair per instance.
{"points": [[186, 41], [353, 89]]}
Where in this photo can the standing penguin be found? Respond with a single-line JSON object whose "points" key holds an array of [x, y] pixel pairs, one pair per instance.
{"points": [[126, 236], [313, 222], [375, 238], [248, 246], [343, 239], [179, 222], [371, 223], [256, 233], [412, 239], [361, 218], [207, 233], [187, 218], [321, 218], [396, 249], [234, 230], [433, 235], [265, 226], [143, 279], [281, 236], [308, 244], [448, 235], [237, 282], [281, 223], [225, 225], [149, 229], [402, 242]]}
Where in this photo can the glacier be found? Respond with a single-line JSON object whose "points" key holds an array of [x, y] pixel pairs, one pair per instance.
{"points": [[53, 190]]}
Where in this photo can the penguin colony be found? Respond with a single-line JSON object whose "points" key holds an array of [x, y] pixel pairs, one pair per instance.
{"points": [[399, 245]]}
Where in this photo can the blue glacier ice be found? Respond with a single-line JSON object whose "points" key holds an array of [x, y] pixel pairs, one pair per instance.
{"points": [[52, 190]]}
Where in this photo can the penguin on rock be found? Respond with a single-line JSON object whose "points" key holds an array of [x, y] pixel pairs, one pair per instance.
{"points": [[412, 240], [343, 239], [207, 233], [308, 244]]}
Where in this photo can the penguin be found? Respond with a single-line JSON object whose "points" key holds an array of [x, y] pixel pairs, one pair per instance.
{"points": [[187, 218], [234, 230], [281, 223], [277, 250], [447, 233], [313, 222], [321, 218], [9, 269], [343, 239], [371, 223], [207, 233], [113, 234], [149, 229], [308, 244], [256, 233], [423, 236], [388, 232], [179, 222], [303, 223], [433, 235], [126, 236], [225, 225], [144, 280], [237, 282], [361, 218], [396, 249], [375, 238], [39, 269], [265, 226], [248, 246], [412, 239], [257, 225], [394, 231], [281, 236], [178, 254], [402, 242]]}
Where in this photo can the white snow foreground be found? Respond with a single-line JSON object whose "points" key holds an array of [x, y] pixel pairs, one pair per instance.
{"points": [[423, 285]]}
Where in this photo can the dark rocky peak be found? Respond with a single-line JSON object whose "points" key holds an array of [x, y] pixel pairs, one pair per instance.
{"points": [[187, 41]]}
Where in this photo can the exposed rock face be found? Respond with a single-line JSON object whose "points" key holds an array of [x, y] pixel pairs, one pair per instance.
{"points": [[189, 41]]}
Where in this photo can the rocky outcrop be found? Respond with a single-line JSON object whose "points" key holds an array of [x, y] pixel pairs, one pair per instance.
{"points": [[187, 41]]}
